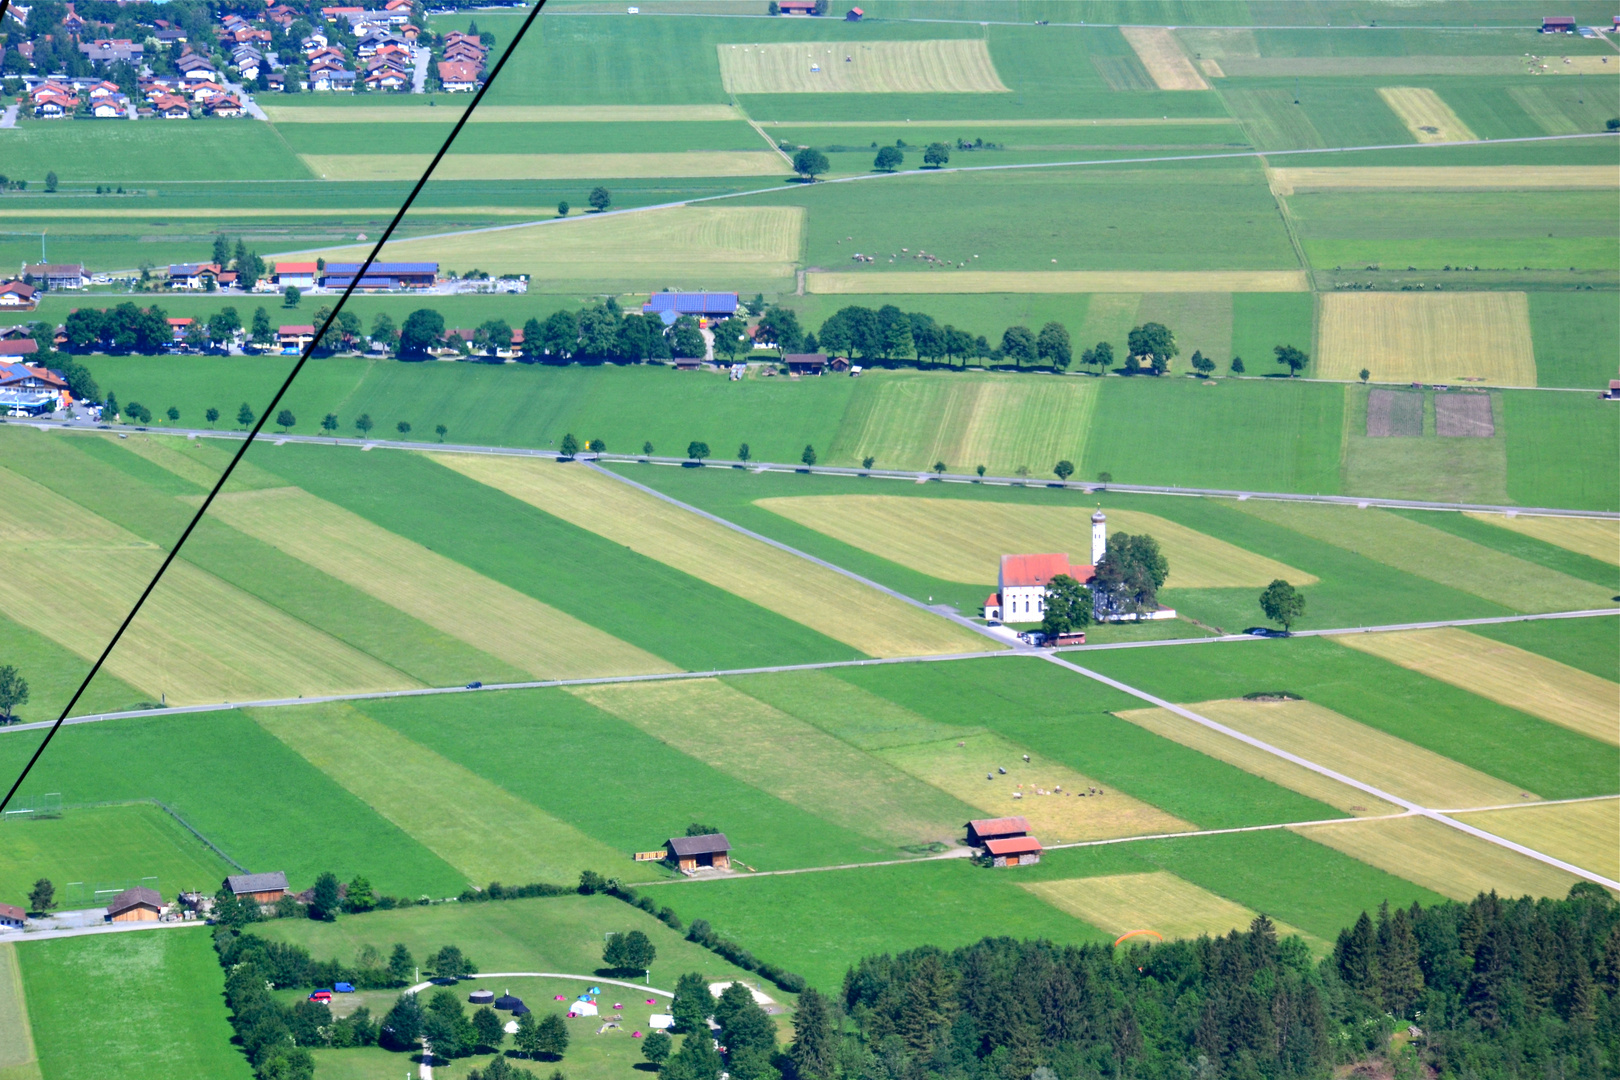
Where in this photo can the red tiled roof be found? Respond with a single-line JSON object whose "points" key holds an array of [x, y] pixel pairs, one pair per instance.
{"points": [[1014, 845], [1032, 569], [993, 600], [305, 330], [12, 912], [18, 347], [1000, 826]]}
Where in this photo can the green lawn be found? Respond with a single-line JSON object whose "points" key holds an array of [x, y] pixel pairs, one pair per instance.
{"points": [[239, 786], [528, 138], [1551, 761], [89, 151], [1565, 328], [1521, 546], [1561, 450], [144, 1004], [105, 847], [1591, 645]]}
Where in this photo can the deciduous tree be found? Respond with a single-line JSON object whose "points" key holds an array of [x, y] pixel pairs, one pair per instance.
{"points": [[291, 295], [423, 329], [569, 445], [324, 902], [1052, 346], [1068, 606], [245, 415], [600, 198], [697, 451], [888, 159], [809, 455], [810, 163], [1291, 358], [656, 1046], [936, 155], [488, 1028], [363, 423], [1018, 345], [1153, 343], [1282, 603], [212, 416], [286, 420], [1063, 469], [691, 1005], [42, 897]]}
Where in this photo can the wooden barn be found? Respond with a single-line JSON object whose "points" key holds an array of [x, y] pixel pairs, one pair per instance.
{"points": [[139, 904], [691, 852], [1000, 828], [1013, 851], [258, 888]]}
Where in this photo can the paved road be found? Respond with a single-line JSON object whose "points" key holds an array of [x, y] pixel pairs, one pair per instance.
{"points": [[1332, 774], [17, 937], [914, 173], [245, 96], [419, 71], [540, 684], [9, 118], [910, 476]]}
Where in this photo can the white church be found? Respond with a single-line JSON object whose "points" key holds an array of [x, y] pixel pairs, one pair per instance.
{"points": [[1021, 593]]}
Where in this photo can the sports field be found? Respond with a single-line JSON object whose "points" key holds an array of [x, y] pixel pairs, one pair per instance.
{"points": [[530, 635], [1584, 833], [1441, 858], [963, 541], [1056, 281], [953, 66], [796, 588], [1161, 54], [1590, 536], [1522, 680], [1424, 337], [1158, 901], [641, 250], [545, 166]]}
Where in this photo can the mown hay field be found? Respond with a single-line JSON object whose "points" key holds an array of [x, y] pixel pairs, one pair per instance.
{"points": [[857, 716], [16, 1036], [198, 639], [479, 828], [1521, 680], [1441, 858], [1597, 537], [1056, 281], [785, 757], [530, 635], [1425, 115], [1584, 833], [825, 601], [497, 114], [546, 166], [1439, 556], [1158, 901], [1161, 54], [1002, 422], [1289, 181], [752, 242], [1053, 797], [953, 66], [962, 540], [1427, 337], [1252, 759], [1361, 752]]}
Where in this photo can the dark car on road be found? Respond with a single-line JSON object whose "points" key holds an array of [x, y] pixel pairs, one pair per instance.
{"points": [[1265, 631]]}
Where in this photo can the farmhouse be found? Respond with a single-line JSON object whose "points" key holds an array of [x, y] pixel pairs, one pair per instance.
{"points": [[18, 346], [258, 888], [12, 917], [1021, 587], [192, 275], [139, 904], [707, 307], [1558, 24], [691, 852], [16, 294], [57, 275], [981, 829], [796, 7]]}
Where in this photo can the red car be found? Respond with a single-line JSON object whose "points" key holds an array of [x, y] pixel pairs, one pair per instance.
{"points": [[323, 996]]}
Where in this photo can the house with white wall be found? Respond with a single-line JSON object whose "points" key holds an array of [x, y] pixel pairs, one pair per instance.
{"points": [[1021, 587]]}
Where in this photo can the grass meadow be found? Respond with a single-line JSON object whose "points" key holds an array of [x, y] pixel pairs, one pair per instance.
{"points": [[1592, 645], [95, 1006], [1565, 326], [1558, 451]]}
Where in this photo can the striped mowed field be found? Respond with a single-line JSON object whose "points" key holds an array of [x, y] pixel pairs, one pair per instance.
{"points": [[1055, 281], [478, 827], [858, 717], [785, 757], [1162, 55], [1434, 554], [497, 114], [512, 626], [1252, 759], [198, 639], [1425, 115], [1438, 857], [1000, 421], [753, 241], [1159, 901], [17, 1055], [1361, 752], [1063, 816], [1597, 537], [1288, 181], [962, 540], [1519, 679], [952, 66], [1426, 337], [825, 601], [546, 166], [1585, 833]]}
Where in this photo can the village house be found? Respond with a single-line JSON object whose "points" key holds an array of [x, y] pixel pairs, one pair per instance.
{"points": [[29, 389], [102, 90], [172, 107], [226, 105], [295, 337], [110, 107], [50, 105], [689, 853], [192, 275], [258, 888], [20, 345], [387, 78], [457, 76], [17, 294], [57, 275], [112, 51], [1021, 587], [12, 917], [139, 904]]}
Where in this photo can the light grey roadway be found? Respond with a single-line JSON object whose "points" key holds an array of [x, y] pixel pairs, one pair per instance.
{"points": [[540, 684], [1363, 501], [420, 55], [8, 119]]}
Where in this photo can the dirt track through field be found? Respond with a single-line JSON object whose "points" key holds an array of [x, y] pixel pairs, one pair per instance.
{"points": [[1159, 901], [1427, 337], [547, 166], [1162, 55], [1425, 115], [512, 626], [1590, 536], [795, 588], [1441, 858], [1521, 680], [1584, 833], [952, 66], [1055, 281], [962, 540]]}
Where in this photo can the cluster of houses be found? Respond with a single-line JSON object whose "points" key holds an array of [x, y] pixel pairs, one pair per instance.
{"points": [[463, 65], [197, 89]]}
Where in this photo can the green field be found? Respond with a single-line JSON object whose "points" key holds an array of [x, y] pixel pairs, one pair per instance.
{"points": [[96, 848], [1587, 644], [95, 1010], [1564, 327]]}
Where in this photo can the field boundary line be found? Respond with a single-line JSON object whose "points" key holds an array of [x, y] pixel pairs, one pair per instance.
{"points": [[1528, 805], [1084, 486], [1332, 774]]}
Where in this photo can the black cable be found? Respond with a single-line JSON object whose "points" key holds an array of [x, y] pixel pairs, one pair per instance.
{"points": [[286, 384]]}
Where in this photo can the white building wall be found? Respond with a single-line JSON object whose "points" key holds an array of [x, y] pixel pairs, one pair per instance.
{"points": [[1023, 603]]}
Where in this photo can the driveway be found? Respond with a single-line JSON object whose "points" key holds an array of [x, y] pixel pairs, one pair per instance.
{"points": [[419, 74]]}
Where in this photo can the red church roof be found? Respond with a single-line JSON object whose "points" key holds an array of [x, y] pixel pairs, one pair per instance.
{"points": [[1039, 570]]}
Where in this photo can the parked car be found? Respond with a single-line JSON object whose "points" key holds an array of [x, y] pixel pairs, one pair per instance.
{"points": [[475, 685], [1265, 631]]}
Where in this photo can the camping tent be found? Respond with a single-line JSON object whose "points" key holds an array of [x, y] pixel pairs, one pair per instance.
{"points": [[582, 1008], [481, 997], [507, 1002], [661, 1021]]}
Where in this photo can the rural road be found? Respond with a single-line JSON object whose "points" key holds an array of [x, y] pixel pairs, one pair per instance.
{"points": [[419, 69], [908, 475], [376, 695], [9, 118]]}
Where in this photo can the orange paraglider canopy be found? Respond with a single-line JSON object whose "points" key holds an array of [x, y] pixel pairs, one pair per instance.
{"points": [[1133, 933]]}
